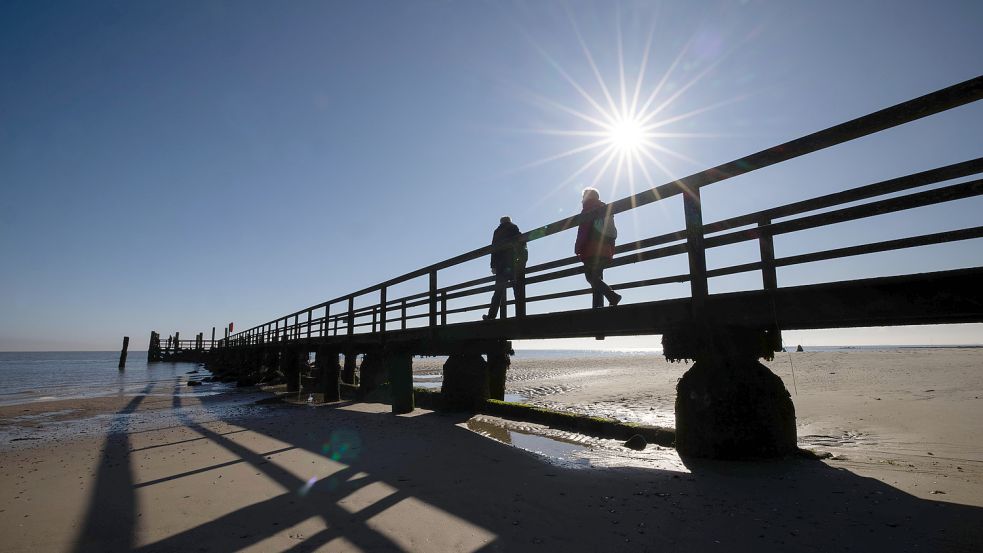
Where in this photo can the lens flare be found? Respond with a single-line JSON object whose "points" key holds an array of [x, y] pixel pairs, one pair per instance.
{"points": [[307, 486]]}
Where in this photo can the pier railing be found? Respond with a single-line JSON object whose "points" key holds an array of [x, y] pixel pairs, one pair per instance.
{"points": [[377, 309]]}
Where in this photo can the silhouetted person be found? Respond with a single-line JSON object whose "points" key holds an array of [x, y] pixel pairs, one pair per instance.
{"points": [[508, 265], [595, 247]]}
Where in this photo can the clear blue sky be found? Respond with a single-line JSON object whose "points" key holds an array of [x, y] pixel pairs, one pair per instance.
{"points": [[179, 165]]}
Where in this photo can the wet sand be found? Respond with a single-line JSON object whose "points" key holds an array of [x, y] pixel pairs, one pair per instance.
{"points": [[167, 471]]}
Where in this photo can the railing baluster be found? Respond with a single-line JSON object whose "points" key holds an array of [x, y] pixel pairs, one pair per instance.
{"points": [[351, 315], [403, 315], [382, 307], [443, 308], [433, 298], [766, 245], [324, 323], [693, 211]]}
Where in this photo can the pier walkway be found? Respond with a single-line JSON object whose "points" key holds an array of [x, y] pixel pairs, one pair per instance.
{"points": [[433, 311]]}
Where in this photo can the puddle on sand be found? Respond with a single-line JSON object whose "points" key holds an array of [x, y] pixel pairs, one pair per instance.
{"points": [[561, 452], [515, 398]]}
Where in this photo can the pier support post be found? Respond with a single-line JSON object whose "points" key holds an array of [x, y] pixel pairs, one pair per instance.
{"points": [[269, 364], [728, 405], [498, 366], [348, 373], [399, 366], [290, 368], [328, 371], [371, 374], [465, 381]]}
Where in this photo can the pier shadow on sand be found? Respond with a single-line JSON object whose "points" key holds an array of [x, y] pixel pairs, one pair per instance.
{"points": [[426, 483]]}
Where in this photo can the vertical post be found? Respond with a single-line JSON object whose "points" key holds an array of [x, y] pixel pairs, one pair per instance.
{"points": [[375, 315], [403, 317], [399, 365], [324, 323], [329, 372], [122, 354], [443, 308], [433, 298], [153, 352], [696, 252], [351, 315], [769, 279], [213, 337], [177, 342], [310, 313], [766, 245], [382, 310]]}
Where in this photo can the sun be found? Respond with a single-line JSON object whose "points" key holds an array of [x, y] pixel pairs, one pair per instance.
{"points": [[627, 134], [623, 131]]}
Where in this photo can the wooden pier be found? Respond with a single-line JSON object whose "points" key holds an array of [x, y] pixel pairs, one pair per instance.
{"points": [[426, 312]]}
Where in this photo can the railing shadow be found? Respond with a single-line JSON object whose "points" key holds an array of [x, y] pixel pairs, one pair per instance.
{"points": [[507, 499]]}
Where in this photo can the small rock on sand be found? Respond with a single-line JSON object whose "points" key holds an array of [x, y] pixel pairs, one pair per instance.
{"points": [[636, 442]]}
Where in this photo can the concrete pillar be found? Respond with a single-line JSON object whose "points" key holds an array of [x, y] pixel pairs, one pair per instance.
{"points": [[728, 405], [399, 367], [465, 381], [328, 371]]}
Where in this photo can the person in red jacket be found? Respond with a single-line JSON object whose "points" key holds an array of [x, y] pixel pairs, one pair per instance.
{"points": [[595, 247]]}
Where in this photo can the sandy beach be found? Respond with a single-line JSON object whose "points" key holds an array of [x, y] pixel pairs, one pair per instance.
{"points": [[167, 471]]}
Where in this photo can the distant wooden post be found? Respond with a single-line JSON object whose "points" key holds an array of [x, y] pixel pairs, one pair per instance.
{"points": [[122, 354], [177, 342], [213, 337]]}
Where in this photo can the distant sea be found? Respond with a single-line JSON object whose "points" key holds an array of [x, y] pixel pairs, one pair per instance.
{"points": [[42, 376], [48, 375]]}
